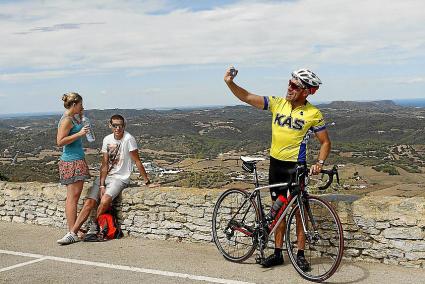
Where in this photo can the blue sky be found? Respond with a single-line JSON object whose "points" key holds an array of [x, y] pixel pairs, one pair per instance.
{"points": [[158, 54]]}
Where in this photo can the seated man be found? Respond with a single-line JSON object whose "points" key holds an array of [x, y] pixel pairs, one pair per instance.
{"points": [[119, 155]]}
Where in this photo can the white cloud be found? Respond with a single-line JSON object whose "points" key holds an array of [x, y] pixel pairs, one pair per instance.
{"points": [[110, 35], [414, 80]]}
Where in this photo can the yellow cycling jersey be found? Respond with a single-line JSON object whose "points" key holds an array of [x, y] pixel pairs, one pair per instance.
{"points": [[291, 128]]}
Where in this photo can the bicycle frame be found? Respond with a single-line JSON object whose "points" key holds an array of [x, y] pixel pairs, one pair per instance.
{"points": [[255, 195]]}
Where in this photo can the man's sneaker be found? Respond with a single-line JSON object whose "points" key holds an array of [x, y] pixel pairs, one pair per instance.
{"points": [[303, 263], [69, 238], [272, 260], [93, 229]]}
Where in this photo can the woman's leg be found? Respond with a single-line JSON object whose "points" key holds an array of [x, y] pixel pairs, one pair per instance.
{"points": [[73, 192]]}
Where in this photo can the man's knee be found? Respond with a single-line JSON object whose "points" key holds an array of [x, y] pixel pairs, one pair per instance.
{"points": [[106, 200], [90, 203]]}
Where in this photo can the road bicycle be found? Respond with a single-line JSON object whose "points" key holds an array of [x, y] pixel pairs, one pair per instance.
{"points": [[239, 225]]}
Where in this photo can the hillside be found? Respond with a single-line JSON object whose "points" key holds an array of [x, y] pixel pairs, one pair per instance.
{"points": [[378, 134]]}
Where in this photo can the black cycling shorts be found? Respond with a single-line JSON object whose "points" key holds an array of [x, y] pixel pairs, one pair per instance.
{"points": [[279, 173]]}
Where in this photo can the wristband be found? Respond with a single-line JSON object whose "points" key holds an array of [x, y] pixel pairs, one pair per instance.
{"points": [[321, 162], [102, 186]]}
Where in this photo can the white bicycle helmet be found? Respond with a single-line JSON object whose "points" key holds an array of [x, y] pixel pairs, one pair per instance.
{"points": [[307, 77]]}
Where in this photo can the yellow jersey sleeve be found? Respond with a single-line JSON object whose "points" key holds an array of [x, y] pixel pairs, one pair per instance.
{"points": [[271, 102], [318, 122]]}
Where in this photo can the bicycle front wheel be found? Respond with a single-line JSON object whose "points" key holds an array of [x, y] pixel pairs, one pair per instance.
{"points": [[233, 225], [323, 243]]}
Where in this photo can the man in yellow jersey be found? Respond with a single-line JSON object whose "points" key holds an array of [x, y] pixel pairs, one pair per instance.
{"points": [[294, 118]]}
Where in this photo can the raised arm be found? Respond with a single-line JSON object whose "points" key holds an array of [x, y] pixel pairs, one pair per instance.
{"points": [[241, 93], [62, 137]]}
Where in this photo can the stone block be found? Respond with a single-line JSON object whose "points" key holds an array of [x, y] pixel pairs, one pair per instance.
{"points": [[404, 221], [413, 233], [351, 252], [196, 200], [377, 254], [173, 216], [382, 225], [391, 261], [30, 217], [6, 218], [414, 255], [411, 264], [171, 225], [44, 221], [40, 209], [149, 202], [358, 244], [52, 207], [17, 219], [191, 211], [178, 233]]}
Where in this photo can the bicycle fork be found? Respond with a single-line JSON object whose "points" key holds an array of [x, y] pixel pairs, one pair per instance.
{"points": [[304, 207]]}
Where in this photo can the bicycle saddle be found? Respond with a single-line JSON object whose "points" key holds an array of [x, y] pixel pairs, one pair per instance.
{"points": [[251, 160]]}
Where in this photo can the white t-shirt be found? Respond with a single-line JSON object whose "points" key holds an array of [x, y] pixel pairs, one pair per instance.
{"points": [[120, 164]]}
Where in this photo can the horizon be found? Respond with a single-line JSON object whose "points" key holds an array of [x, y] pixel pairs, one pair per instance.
{"points": [[161, 54], [413, 102]]}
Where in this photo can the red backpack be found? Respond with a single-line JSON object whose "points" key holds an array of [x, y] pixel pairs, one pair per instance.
{"points": [[109, 227]]}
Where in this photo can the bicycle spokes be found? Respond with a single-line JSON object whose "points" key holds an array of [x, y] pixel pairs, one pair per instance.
{"points": [[323, 246], [234, 220]]}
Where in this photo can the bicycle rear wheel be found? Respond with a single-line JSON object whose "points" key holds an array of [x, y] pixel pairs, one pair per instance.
{"points": [[233, 225], [324, 243]]}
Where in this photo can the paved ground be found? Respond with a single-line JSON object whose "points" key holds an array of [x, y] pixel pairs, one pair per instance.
{"points": [[29, 254]]}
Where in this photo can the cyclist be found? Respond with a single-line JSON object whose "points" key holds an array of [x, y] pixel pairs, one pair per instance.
{"points": [[293, 119]]}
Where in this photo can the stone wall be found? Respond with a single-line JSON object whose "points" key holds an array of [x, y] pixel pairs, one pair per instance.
{"points": [[380, 229]]}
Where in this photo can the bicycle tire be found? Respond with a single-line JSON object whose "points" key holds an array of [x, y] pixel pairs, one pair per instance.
{"points": [[323, 251], [230, 240]]}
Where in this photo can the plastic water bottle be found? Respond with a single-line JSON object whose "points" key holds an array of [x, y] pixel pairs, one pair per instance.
{"points": [[279, 204], [90, 135]]}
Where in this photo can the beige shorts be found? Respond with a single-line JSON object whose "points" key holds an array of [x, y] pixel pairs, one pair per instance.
{"points": [[113, 188]]}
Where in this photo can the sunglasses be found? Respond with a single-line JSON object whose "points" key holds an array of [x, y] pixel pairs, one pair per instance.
{"points": [[117, 125], [295, 86]]}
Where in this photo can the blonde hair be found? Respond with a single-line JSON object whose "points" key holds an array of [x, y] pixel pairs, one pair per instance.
{"points": [[71, 98]]}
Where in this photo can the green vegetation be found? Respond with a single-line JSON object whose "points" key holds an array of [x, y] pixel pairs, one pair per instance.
{"points": [[211, 179], [3, 177], [410, 168], [42, 171], [379, 135], [387, 168]]}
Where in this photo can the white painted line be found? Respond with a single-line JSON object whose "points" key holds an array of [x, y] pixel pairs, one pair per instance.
{"points": [[21, 264], [124, 267]]}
